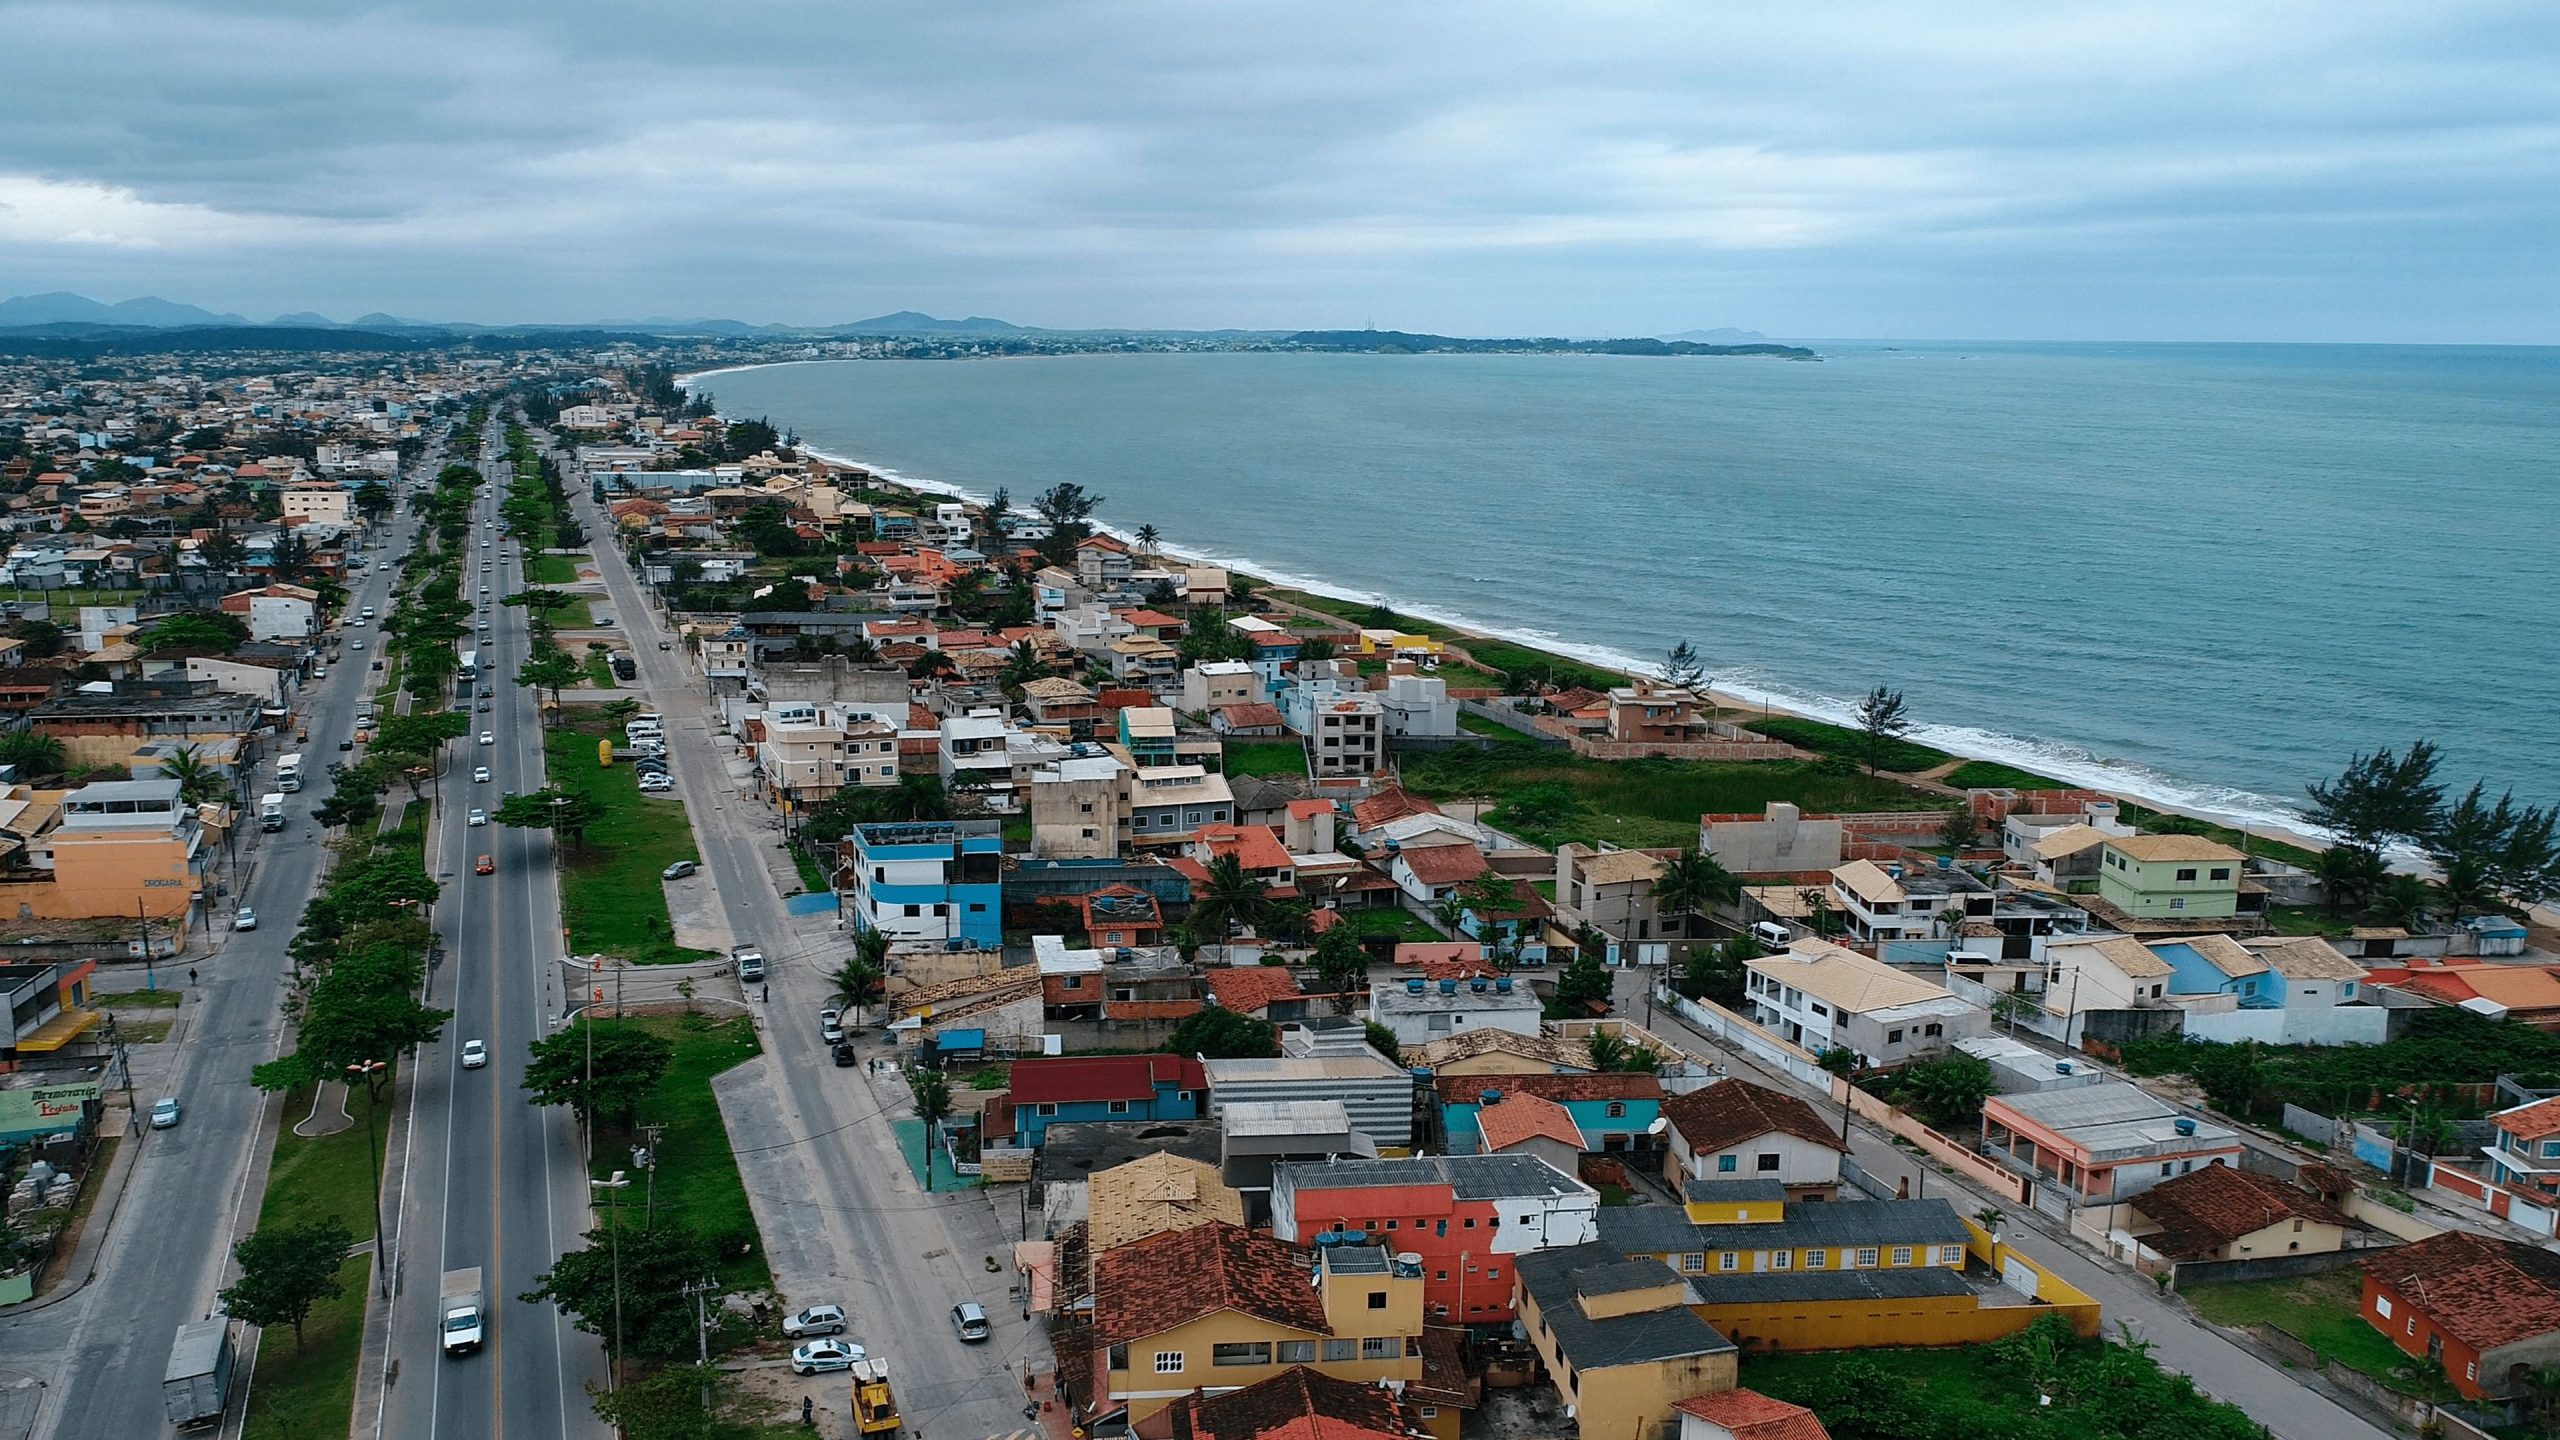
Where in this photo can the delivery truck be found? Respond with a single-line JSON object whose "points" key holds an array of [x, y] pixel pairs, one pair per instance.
{"points": [[289, 772], [271, 810], [461, 1310], [199, 1373]]}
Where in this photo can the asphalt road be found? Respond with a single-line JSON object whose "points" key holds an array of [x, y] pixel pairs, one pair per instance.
{"points": [[843, 1218], [493, 1181], [100, 1352]]}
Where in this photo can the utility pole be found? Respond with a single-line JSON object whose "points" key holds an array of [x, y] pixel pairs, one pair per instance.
{"points": [[150, 972], [701, 1332], [613, 1232], [648, 1162], [362, 1072]]}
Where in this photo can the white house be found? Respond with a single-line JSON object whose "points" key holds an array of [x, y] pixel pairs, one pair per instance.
{"points": [[1213, 683], [1418, 705], [1420, 1011], [1824, 996]]}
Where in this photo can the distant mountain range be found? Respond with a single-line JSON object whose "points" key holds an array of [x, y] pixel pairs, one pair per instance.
{"points": [[61, 307], [65, 314]]}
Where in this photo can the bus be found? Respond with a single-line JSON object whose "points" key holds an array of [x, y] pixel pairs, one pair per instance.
{"points": [[470, 670]]}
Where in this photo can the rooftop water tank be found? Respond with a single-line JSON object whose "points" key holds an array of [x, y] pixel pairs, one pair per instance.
{"points": [[2186, 1126], [1413, 987], [2061, 1067], [1448, 987], [1502, 985], [1489, 1097], [1476, 984]]}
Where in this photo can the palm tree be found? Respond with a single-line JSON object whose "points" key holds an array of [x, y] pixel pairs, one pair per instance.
{"points": [[1023, 664], [1450, 910], [1693, 880], [1231, 898], [197, 782], [860, 650], [2405, 901], [1148, 535]]}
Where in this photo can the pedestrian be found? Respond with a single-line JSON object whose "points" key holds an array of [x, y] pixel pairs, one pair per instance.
{"points": [[191, 974], [768, 994], [808, 1412]]}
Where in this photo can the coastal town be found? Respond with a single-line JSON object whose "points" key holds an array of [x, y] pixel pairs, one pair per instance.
{"points": [[518, 873]]}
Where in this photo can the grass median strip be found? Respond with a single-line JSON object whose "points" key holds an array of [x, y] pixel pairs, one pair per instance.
{"points": [[697, 1182], [611, 897], [311, 1391]]}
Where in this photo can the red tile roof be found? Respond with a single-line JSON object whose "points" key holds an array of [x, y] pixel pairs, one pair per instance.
{"points": [[1307, 809], [1445, 864], [1071, 1079], [2203, 1210], [1250, 989], [1750, 1415], [1150, 1286], [1251, 715], [1296, 1404], [1729, 1112], [1256, 847], [1524, 1116], [1392, 803], [2531, 1122], [2482, 1292]]}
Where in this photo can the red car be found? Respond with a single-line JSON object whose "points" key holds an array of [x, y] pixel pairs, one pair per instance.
{"points": [[488, 865]]}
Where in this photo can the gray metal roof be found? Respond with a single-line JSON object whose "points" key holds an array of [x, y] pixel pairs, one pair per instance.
{"points": [[1469, 1177], [1558, 1278], [1648, 1229], [1815, 1286], [1733, 1192]]}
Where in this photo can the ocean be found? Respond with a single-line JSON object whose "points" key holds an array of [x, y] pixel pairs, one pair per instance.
{"points": [[2201, 575]]}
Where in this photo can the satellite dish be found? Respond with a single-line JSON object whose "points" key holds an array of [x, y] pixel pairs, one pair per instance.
{"points": [[1661, 1124]]}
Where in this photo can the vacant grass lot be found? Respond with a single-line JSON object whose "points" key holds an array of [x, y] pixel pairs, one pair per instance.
{"points": [[2319, 1310], [1822, 739], [553, 569], [1551, 796], [697, 1174], [1992, 775], [1265, 757], [611, 897], [1397, 921]]}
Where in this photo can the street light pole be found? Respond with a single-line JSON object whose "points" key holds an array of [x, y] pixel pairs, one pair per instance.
{"points": [[613, 1231], [363, 1072]]}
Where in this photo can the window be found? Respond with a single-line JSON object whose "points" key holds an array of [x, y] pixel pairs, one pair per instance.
{"points": [[2471, 1370], [1617, 1109], [1933, 1029], [1893, 1037], [1816, 1259], [2412, 1327], [1728, 1260], [1865, 1259], [1168, 1362], [1073, 982], [1243, 1352], [2169, 1168], [2382, 1306], [1471, 1222], [1342, 1349], [1380, 1347], [1693, 1262], [1778, 1260], [1119, 1357], [1439, 1274], [1766, 1164], [1901, 1254], [1119, 1107], [1727, 1164], [914, 910], [1297, 1352], [2187, 875], [2222, 872], [1950, 1254], [1391, 1224], [2551, 1149], [2178, 902], [1047, 1108], [1377, 1299]]}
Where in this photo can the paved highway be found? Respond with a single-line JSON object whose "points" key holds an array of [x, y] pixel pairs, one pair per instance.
{"points": [[493, 1181], [102, 1350]]}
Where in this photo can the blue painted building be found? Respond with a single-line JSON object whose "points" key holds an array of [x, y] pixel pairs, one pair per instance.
{"points": [[929, 880], [2220, 965], [1077, 1088], [1613, 1111]]}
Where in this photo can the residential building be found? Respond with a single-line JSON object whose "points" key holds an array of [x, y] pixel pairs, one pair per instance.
{"points": [[2102, 1143], [1081, 809], [1735, 1130], [1780, 841], [1467, 1216], [1303, 1404], [1148, 733], [1824, 996], [929, 880], [48, 1007], [1218, 1306], [1432, 873], [1345, 733], [1060, 704], [1376, 1094], [1214, 683], [1169, 803], [1103, 1087], [1746, 1415], [1651, 714], [1155, 1195], [2526, 1154], [1618, 1339], [127, 849], [1420, 1011], [807, 753], [2170, 877], [2222, 1212], [277, 612], [1497, 1052], [1418, 705], [1614, 1112], [973, 754], [2486, 1310], [1744, 1233], [1893, 901], [1532, 1126], [1612, 890]]}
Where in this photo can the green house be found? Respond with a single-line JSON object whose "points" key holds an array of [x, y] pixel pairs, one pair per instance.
{"points": [[2170, 877]]}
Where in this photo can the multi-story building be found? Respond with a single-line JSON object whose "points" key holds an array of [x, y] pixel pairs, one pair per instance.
{"points": [[1081, 808], [809, 752], [1213, 683], [1376, 1093], [1418, 705], [1345, 727], [2170, 877], [1619, 1339], [1824, 996], [1169, 803], [125, 848], [1420, 1011], [1892, 901], [1650, 714], [1466, 1216], [928, 880]]}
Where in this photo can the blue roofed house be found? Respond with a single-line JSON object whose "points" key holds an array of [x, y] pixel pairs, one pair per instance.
{"points": [[929, 880]]}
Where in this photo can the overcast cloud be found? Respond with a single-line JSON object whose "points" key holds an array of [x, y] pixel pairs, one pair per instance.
{"points": [[2291, 171]]}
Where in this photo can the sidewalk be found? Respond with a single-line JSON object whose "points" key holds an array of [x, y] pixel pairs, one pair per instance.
{"points": [[81, 1266]]}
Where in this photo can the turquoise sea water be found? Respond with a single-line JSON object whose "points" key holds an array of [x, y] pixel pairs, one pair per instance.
{"points": [[2203, 574]]}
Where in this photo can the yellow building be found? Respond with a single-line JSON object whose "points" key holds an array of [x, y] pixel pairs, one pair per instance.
{"points": [[1805, 1238], [1619, 1339], [1214, 1307], [1396, 645]]}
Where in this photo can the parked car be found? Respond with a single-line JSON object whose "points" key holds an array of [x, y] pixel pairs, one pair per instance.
{"points": [[679, 870], [816, 1320], [165, 1112], [477, 817], [820, 1355], [656, 784], [830, 1025], [845, 1058], [474, 1054], [970, 1319], [247, 919], [480, 775]]}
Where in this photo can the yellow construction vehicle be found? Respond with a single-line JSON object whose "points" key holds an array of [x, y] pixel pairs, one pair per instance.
{"points": [[875, 1410]]}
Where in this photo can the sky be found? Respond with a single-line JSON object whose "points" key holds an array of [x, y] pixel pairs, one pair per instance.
{"points": [[2330, 171]]}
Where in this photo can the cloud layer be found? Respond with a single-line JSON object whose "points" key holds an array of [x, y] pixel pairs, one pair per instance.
{"points": [[2274, 171]]}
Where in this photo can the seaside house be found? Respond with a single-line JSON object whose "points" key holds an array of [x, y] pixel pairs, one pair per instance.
{"points": [[928, 880], [1782, 840], [1823, 996], [1892, 901], [2100, 1144], [2170, 877], [1646, 713]]}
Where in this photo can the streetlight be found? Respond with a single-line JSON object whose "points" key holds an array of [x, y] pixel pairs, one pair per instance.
{"points": [[613, 1230], [362, 1072]]}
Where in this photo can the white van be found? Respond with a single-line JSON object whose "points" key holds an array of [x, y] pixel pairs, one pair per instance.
{"points": [[1772, 934]]}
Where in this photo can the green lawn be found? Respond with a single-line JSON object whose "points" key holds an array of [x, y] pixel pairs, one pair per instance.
{"points": [[303, 1393], [1478, 725], [1391, 920], [1265, 757], [600, 669], [136, 999], [1551, 796], [553, 569], [2320, 1310], [611, 896], [697, 1174], [2074, 1388], [1992, 775], [2147, 819], [813, 877], [573, 616], [313, 1179], [2306, 920], [1822, 739]]}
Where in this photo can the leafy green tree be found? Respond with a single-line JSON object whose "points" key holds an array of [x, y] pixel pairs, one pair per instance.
{"points": [[1839, 1060], [652, 1266], [1231, 898], [39, 639], [1315, 650], [1948, 1090], [1613, 1053], [2230, 1075], [195, 632], [287, 1269], [1217, 1033], [1065, 505], [626, 1065], [2499, 849], [361, 1007], [1341, 966], [422, 732], [1682, 667], [37, 756], [2405, 901], [373, 500], [679, 1402], [1382, 1039], [553, 670], [2350, 876], [2381, 797], [1883, 719], [1693, 880], [1581, 991], [563, 812]]}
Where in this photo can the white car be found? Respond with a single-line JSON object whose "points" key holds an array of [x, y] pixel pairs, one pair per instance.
{"points": [[355, 644], [820, 1355], [247, 919], [816, 1320], [165, 1113], [474, 1054], [830, 1026], [656, 784], [480, 776], [488, 737], [478, 817]]}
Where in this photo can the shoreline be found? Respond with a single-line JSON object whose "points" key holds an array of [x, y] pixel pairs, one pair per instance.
{"points": [[2043, 757]]}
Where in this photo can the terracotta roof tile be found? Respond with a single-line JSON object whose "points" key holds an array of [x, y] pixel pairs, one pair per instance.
{"points": [[1296, 1404], [1750, 1415], [2203, 1210], [1392, 803], [1524, 1116], [1250, 989], [1445, 864], [2484, 1293], [1731, 1111], [1613, 1085], [2531, 1122], [1150, 1286]]}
